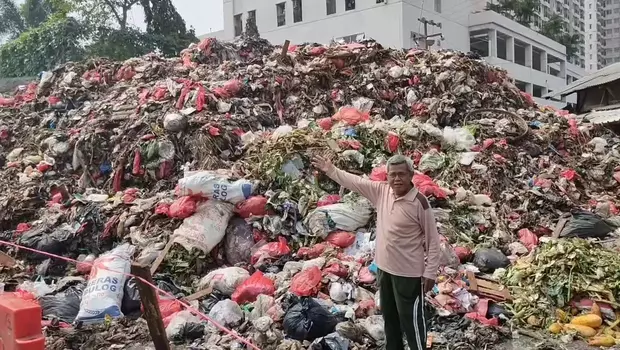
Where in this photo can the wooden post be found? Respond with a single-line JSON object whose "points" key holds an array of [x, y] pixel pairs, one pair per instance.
{"points": [[152, 315], [285, 48]]}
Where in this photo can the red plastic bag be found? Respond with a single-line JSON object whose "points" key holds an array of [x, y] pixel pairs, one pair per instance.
{"points": [[391, 142], [366, 308], [341, 239], [160, 93], [167, 307], [337, 269], [53, 100], [528, 238], [463, 253], [307, 282], [487, 143], [271, 250], [569, 174], [137, 163], [130, 195], [163, 209], [182, 208], [418, 109], [7, 102], [22, 227], [313, 252], [317, 51], [327, 200], [350, 144], [365, 276], [325, 123], [427, 186], [379, 173], [201, 98], [351, 116], [257, 284], [255, 205]]}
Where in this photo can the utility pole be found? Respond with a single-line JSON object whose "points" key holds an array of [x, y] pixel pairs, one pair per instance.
{"points": [[426, 22]]}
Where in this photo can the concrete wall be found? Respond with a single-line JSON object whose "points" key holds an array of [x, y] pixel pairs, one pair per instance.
{"points": [[378, 21]]}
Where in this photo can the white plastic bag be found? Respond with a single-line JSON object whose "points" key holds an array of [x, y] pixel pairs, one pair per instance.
{"points": [[224, 280], [432, 160], [374, 327], [363, 246], [206, 228], [38, 288], [344, 216], [210, 185], [282, 130], [460, 138], [104, 293], [227, 313]]}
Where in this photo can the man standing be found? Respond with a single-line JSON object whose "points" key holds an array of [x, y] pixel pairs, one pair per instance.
{"points": [[406, 230]]}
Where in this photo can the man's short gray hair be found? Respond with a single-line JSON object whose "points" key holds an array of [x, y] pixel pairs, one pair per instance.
{"points": [[400, 159]]}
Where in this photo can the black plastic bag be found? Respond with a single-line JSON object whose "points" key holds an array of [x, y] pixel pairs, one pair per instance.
{"points": [[131, 305], [308, 320], [489, 260], [584, 224], [55, 242], [238, 241], [333, 341], [131, 298], [207, 304], [64, 305]]}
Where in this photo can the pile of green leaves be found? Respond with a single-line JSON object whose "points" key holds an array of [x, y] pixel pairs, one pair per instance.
{"points": [[560, 271]]}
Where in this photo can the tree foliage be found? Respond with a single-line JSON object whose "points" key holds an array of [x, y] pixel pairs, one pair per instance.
{"points": [[11, 21], [44, 36], [54, 42], [523, 11]]}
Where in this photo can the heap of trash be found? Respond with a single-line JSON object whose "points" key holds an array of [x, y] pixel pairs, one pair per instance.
{"points": [[198, 167]]}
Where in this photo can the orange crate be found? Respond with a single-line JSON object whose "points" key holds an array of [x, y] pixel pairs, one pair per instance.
{"points": [[20, 324]]}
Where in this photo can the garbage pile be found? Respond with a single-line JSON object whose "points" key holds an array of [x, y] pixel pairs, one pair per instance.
{"points": [[199, 168]]}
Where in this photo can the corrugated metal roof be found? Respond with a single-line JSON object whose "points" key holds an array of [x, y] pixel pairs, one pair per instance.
{"points": [[600, 77], [603, 117]]}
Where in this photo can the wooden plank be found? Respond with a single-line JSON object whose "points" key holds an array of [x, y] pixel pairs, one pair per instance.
{"points": [[152, 315], [486, 288], [161, 256], [199, 294], [6, 260]]}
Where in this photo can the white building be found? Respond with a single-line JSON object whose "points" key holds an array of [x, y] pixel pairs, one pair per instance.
{"points": [[537, 63]]}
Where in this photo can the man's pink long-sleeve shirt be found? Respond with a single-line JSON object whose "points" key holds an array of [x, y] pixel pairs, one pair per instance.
{"points": [[406, 227]]}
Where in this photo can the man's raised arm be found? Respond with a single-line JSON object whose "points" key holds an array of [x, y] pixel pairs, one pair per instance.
{"points": [[367, 188]]}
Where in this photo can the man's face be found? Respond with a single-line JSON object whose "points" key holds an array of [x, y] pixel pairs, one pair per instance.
{"points": [[399, 179]]}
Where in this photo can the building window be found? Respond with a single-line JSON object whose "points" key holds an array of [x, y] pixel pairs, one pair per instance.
{"points": [[347, 39], [281, 14], [590, 16], [251, 19], [438, 6], [616, 30], [349, 5], [238, 24], [297, 11], [331, 6]]}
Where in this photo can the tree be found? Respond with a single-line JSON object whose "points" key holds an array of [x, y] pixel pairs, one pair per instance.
{"points": [[11, 22], [554, 29], [522, 11], [167, 26], [54, 42]]}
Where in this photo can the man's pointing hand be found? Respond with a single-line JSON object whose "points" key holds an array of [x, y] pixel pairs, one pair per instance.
{"points": [[321, 163]]}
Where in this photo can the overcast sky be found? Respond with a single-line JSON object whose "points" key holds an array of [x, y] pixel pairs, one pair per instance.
{"points": [[204, 15]]}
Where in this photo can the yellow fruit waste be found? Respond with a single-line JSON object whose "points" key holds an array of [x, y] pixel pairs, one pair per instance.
{"points": [[555, 328], [604, 341], [583, 331], [592, 321]]}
